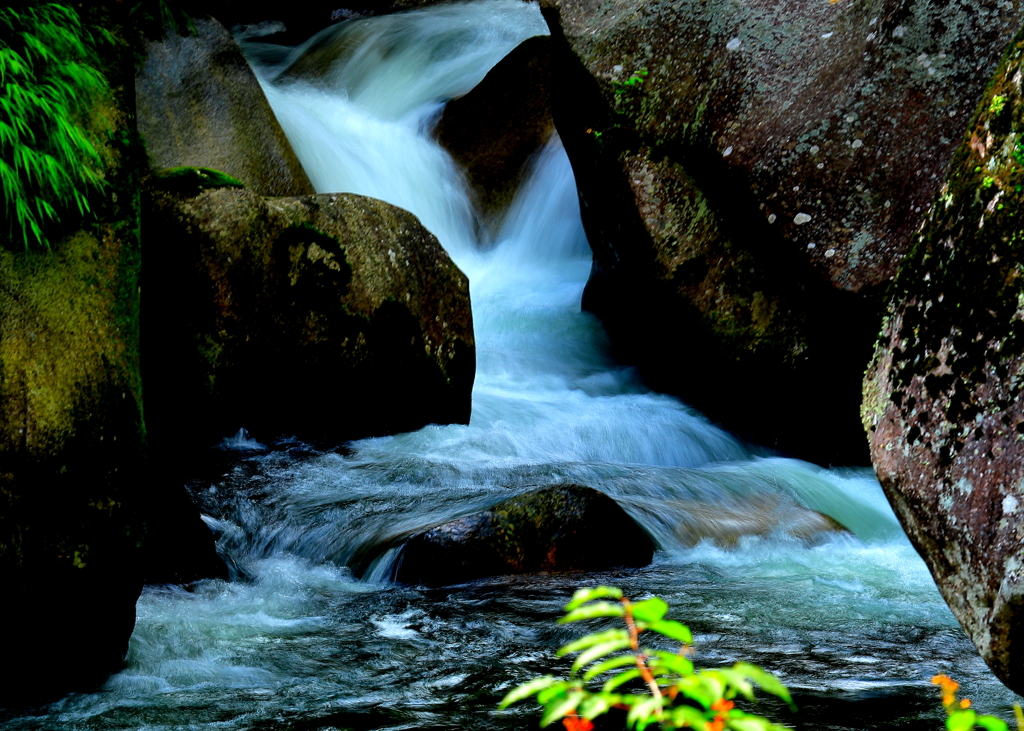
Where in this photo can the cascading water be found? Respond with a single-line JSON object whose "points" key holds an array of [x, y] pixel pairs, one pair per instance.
{"points": [[851, 621]]}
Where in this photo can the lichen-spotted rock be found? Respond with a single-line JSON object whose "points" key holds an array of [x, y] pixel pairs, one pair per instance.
{"points": [[750, 174], [328, 317], [942, 400]]}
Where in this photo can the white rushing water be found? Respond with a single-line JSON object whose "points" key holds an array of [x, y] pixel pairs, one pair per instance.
{"points": [[300, 643]]}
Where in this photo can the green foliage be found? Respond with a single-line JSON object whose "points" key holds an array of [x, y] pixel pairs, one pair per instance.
{"points": [[634, 80], [677, 694], [997, 105], [49, 160]]}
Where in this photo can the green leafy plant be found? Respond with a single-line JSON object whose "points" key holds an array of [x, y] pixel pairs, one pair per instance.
{"points": [[634, 80], [49, 160], [1018, 151], [997, 105], [675, 694]]}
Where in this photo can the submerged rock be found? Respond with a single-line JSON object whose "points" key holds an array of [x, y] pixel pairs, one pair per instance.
{"points": [[942, 399], [199, 104], [328, 317], [556, 528], [750, 174], [727, 524]]}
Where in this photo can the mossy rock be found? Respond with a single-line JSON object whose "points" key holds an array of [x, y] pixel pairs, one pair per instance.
{"points": [[329, 317], [942, 399], [556, 528], [750, 197]]}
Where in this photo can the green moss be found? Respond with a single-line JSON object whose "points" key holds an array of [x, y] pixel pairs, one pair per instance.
{"points": [[190, 182]]}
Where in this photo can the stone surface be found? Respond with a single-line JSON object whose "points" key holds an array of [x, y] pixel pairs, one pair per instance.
{"points": [[328, 317], [555, 528], [494, 129], [199, 104], [942, 399], [751, 194], [71, 432]]}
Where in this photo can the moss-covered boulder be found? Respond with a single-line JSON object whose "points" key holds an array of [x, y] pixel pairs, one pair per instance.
{"points": [[750, 174], [200, 105], [329, 317], [494, 129], [555, 528], [942, 399]]}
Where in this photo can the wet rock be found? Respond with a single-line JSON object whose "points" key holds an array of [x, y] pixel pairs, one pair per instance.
{"points": [[942, 399], [494, 129], [556, 528], [751, 173], [328, 317], [75, 504], [200, 105]]}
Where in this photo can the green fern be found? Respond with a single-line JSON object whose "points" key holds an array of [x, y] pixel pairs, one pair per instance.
{"points": [[49, 161]]}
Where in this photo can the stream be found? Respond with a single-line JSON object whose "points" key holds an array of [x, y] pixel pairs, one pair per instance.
{"points": [[311, 635]]}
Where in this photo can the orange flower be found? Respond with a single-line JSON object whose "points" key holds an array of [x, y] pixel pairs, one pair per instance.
{"points": [[965, 703], [572, 722], [722, 705]]}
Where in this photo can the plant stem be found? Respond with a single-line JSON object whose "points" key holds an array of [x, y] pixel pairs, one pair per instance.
{"points": [[641, 659]]}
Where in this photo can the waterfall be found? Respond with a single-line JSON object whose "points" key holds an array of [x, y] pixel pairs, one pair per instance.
{"points": [[312, 636]]}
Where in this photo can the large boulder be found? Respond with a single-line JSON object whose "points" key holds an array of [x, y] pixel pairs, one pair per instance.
{"points": [[942, 399], [73, 514], [555, 528], [199, 104], [494, 129], [749, 175], [329, 317]]}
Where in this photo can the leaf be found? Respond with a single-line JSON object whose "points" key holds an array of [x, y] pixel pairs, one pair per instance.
{"points": [[561, 706], [737, 679], [688, 716], [526, 690], [671, 663], [747, 722], [712, 682], [624, 677], [961, 720], [672, 629], [766, 681], [582, 596], [594, 639], [557, 688], [593, 706], [991, 723], [590, 611], [644, 712], [612, 664], [597, 651], [650, 610]]}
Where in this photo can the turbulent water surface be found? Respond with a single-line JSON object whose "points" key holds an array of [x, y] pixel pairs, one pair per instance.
{"points": [[311, 635]]}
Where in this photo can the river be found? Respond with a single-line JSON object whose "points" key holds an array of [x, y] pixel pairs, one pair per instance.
{"points": [[311, 635]]}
